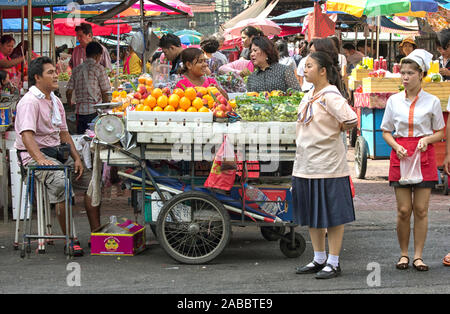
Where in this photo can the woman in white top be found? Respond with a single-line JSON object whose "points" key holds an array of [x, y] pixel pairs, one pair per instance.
{"points": [[321, 188], [408, 124]]}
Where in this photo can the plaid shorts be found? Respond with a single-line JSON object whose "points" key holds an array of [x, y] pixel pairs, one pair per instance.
{"points": [[54, 180]]}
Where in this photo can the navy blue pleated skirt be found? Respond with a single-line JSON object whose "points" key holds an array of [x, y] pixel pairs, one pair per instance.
{"points": [[322, 203]]}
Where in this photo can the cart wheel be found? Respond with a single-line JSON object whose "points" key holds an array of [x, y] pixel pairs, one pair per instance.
{"points": [[361, 154], [272, 233], [286, 247], [193, 227], [446, 187], [353, 136]]}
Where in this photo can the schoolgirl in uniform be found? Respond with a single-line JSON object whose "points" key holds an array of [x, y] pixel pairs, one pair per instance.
{"points": [[409, 121], [321, 189]]}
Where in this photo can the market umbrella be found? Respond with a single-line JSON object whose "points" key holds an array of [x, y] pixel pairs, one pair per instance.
{"points": [[380, 7], [190, 39], [66, 27], [188, 32], [268, 27], [150, 6], [15, 25]]}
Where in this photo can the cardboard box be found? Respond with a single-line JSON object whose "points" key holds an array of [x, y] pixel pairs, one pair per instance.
{"points": [[359, 74], [115, 244]]}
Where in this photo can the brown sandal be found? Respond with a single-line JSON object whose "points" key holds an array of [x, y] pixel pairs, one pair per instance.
{"points": [[402, 266], [446, 260], [420, 267]]}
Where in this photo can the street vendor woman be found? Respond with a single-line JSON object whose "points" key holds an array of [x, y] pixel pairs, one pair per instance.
{"points": [[7, 64], [194, 71], [269, 74], [409, 120], [41, 128], [321, 186]]}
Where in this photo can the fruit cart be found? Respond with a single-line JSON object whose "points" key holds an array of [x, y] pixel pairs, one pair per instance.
{"points": [[192, 223]]}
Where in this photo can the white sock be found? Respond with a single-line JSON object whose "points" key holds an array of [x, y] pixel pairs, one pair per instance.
{"points": [[333, 260], [319, 257]]}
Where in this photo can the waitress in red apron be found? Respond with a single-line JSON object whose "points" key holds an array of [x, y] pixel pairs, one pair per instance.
{"points": [[413, 120]]}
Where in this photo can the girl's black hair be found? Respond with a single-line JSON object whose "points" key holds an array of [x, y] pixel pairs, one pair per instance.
{"points": [[209, 45], [6, 39], [333, 75], [190, 55]]}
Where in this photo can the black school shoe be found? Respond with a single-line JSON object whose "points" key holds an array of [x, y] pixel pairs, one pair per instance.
{"points": [[310, 269], [334, 272]]}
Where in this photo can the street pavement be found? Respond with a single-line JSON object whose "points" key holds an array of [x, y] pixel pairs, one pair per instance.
{"points": [[249, 264]]}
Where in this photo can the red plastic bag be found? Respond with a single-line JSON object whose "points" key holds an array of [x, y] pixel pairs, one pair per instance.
{"points": [[223, 170]]}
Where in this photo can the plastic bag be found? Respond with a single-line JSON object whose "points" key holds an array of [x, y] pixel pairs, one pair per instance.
{"points": [[223, 169], [410, 172]]}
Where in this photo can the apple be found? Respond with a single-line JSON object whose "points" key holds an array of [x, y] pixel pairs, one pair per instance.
{"points": [[219, 113], [199, 95], [229, 108], [142, 89], [138, 95], [222, 100], [205, 101], [222, 107], [166, 91]]}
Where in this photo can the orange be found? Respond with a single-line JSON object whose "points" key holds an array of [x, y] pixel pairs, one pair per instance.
{"points": [[185, 103], [162, 101], [174, 100], [149, 88], [147, 108], [157, 92], [158, 108], [212, 89], [141, 80], [197, 103], [191, 109], [149, 81], [135, 101], [179, 92], [123, 94], [202, 90], [169, 108], [181, 110], [139, 107], [190, 93], [150, 101], [203, 109]]}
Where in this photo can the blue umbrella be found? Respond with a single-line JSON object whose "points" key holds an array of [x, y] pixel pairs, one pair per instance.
{"points": [[190, 40], [188, 32], [15, 25]]}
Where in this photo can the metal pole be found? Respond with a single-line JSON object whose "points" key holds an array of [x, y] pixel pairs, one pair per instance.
{"points": [[378, 36], [144, 32], [52, 35], [30, 31]]}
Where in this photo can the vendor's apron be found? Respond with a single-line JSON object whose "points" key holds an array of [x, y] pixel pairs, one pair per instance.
{"points": [[427, 159]]}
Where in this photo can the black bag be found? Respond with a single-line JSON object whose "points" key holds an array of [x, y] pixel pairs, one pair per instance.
{"points": [[60, 153]]}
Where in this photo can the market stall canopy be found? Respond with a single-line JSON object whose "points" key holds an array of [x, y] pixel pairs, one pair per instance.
{"points": [[188, 32], [389, 26], [15, 25], [444, 3], [156, 6], [293, 16], [35, 3], [251, 12], [380, 7], [66, 27], [16, 13]]}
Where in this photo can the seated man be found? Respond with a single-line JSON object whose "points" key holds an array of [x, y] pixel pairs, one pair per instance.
{"points": [[41, 125]]}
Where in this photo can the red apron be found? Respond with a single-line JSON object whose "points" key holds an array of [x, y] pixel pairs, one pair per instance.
{"points": [[427, 159]]}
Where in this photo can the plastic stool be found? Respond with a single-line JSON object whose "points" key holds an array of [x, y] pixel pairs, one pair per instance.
{"points": [[44, 213]]}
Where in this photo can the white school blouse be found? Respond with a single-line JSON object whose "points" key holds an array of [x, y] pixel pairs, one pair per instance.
{"points": [[427, 115]]}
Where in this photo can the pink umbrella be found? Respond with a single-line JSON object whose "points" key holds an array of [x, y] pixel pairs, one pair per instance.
{"points": [[150, 6], [268, 27]]}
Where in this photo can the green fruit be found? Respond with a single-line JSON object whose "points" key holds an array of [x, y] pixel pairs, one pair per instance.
{"points": [[436, 78]]}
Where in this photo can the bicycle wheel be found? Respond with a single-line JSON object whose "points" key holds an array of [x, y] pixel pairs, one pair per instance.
{"points": [[193, 227]]}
